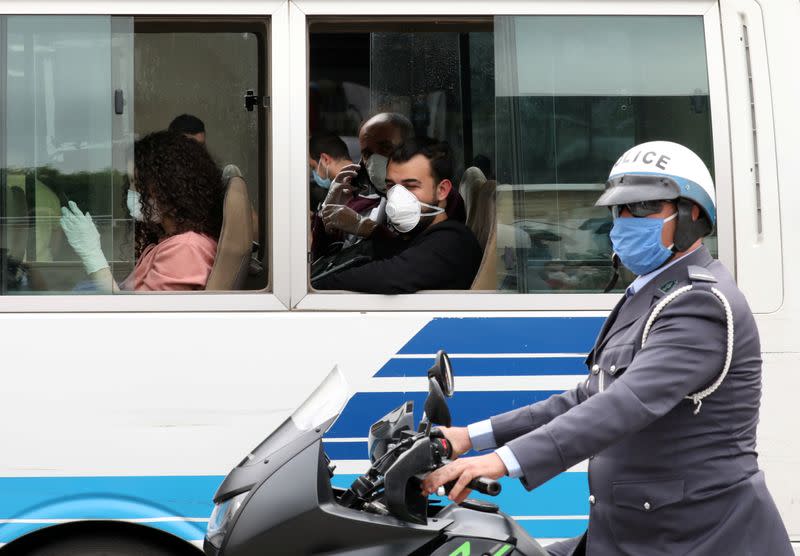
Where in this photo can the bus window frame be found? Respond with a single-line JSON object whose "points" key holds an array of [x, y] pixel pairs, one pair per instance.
{"points": [[303, 13], [270, 18]]}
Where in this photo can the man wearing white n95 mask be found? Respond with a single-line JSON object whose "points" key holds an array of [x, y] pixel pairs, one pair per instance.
{"points": [[432, 251]]}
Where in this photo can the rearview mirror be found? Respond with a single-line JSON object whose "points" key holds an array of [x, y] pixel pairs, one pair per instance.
{"points": [[436, 409], [442, 373]]}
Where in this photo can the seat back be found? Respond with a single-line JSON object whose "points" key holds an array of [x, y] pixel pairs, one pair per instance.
{"points": [[486, 277], [232, 260], [483, 223], [482, 217], [471, 180]]}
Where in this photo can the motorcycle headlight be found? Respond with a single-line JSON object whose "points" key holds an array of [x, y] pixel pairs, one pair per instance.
{"points": [[221, 518]]}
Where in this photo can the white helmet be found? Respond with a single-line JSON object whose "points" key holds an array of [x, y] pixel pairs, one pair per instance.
{"points": [[662, 170]]}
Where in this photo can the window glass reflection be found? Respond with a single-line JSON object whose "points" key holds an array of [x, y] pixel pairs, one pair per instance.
{"points": [[572, 94]]}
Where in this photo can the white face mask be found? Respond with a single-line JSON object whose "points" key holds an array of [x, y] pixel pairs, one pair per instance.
{"points": [[134, 202], [376, 170], [404, 210]]}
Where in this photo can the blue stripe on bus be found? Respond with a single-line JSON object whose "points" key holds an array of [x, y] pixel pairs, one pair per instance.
{"points": [[346, 450], [181, 529], [544, 528], [554, 528], [465, 407], [487, 335], [564, 494], [106, 497], [59, 498], [488, 366]]}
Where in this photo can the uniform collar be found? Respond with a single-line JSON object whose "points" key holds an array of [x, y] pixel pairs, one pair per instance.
{"points": [[641, 281], [640, 303]]}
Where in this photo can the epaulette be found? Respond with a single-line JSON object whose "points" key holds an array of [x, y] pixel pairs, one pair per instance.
{"points": [[700, 274]]}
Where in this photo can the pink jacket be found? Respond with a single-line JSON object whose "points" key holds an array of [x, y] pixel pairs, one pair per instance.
{"points": [[179, 262]]}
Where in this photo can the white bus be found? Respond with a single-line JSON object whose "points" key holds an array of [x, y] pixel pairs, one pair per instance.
{"points": [[120, 413]]}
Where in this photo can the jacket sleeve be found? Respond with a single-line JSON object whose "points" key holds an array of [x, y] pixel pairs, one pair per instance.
{"points": [[423, 266], [512, 424], [684, 352]]}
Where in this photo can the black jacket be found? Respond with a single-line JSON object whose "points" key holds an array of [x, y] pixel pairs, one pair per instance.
{"points": [[446, 256]]}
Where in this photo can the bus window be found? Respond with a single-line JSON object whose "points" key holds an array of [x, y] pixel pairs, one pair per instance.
{"points": [[56, 147], [540, 105], [572, 94], [77, 92], [206, 71], [427, 72]]}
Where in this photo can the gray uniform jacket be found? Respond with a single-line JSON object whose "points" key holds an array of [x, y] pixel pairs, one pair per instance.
{"points": [[662, 479]]}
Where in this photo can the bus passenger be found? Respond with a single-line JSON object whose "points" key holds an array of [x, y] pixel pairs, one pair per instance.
{"points": [[432, 250], [175, 196], [194, 128], [353, 206], [191, 126], [328, 155]]}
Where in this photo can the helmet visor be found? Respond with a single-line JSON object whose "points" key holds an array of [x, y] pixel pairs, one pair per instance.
{"points": [[633, 188]]}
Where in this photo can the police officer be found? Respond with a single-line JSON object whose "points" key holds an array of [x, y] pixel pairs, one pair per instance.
{"points": [[667, 416]]}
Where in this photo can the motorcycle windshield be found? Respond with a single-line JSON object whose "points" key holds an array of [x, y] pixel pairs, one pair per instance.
{"points": [[324, 404]]}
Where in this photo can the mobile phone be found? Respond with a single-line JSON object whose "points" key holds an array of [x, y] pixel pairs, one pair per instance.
{"points": [[361, 182]]}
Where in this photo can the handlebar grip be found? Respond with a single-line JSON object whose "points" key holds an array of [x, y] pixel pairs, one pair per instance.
{"points": [[486, 486], [443, 446]]}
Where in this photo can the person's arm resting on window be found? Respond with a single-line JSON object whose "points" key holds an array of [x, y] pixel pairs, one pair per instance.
{"points": [[424, 266]]}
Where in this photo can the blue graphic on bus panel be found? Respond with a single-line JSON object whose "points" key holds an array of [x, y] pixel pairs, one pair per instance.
{"points": [[566, 494], [31, 503], [498, 344], [467, 407], [488, 366], [498, 335]]}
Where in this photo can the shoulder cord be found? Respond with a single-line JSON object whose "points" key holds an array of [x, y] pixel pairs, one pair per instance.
{"points": [[697, 397]]}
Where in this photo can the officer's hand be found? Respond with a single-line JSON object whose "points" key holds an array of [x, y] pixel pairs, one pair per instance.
{"points": [[459, 440], [341, 189], [463, 471]]}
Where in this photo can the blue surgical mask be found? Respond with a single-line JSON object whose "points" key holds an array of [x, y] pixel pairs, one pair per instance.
{"points": [[637, 241], [319, 180]]}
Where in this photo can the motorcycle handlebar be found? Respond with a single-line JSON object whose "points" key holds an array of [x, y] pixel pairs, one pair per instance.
{"points": [[490, 487], [486, 486], [442, 446], [483, 485]]}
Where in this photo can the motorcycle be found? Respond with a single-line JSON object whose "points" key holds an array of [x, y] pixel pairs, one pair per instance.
{"points": [[280, 500]]}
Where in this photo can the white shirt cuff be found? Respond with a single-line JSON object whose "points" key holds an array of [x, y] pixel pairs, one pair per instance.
{"points": [[481, 435], [510, 461]]}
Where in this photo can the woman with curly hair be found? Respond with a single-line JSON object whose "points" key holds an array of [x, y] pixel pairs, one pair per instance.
{"points": [[175, 195]]}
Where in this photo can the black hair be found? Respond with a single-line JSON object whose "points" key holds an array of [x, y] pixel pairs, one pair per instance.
{"points": [[328, 143], [186, 123], [437, 152], [176, 176]]}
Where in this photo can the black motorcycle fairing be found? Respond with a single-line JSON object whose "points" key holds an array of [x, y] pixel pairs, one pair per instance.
{"points": [[288, 514], [270, 455], [472, 523], [404, 497], [387, 430]]}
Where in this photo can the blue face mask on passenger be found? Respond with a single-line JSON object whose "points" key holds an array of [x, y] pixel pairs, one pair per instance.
{"points": [[319, 180], [637, 241]]}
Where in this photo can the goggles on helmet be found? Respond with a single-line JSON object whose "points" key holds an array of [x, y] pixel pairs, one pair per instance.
{"points": [[639, 209]]}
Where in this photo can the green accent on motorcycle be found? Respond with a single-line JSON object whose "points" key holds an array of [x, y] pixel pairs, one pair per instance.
{"points": [[503, 550], [463, 550]]}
